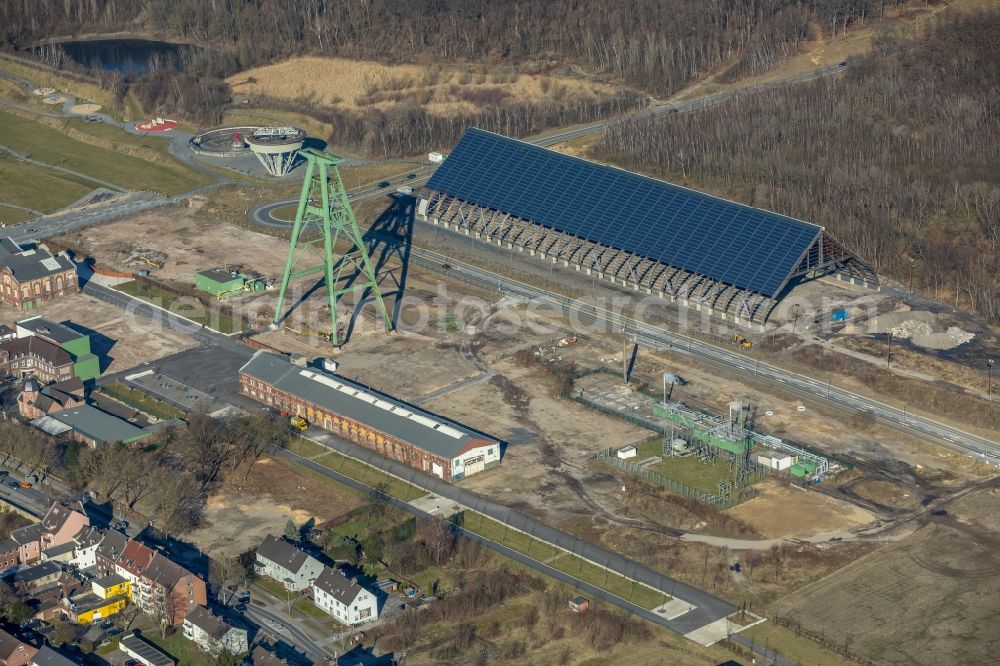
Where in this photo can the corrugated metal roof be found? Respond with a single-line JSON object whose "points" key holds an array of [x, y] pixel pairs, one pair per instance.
{"points": [[337, 394]]}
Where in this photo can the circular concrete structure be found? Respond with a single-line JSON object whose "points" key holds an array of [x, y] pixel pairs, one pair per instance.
{"points": [[274, 147]]}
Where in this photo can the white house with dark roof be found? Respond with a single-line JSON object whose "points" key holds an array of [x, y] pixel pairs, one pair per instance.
{"points": [[292, 567], [343, 598], [213, 634]]}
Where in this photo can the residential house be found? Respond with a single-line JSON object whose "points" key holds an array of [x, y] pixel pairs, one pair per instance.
{"points": [[86, 365], [14, 651], [31, 579], [36, 401], [109, 549], [159, 586], [9, 554], [107, 595], [61, 553], [49, 657], [29, 540], [30, 275], [35, 357], [61, 523], [85, 543], [143, 651], [292, 567], [213, 634], [343, 598]]}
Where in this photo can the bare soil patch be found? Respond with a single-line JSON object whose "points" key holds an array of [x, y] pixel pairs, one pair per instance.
{"points": [[783, 511], [235, 522], [885, 493], [928, 599]]}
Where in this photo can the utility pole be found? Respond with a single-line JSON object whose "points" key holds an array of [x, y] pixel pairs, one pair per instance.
{"points": [[888, 349], [624, 356]]}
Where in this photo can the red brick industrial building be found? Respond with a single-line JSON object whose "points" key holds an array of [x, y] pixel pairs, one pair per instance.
{"points": [[29, 277], [394, 429]]}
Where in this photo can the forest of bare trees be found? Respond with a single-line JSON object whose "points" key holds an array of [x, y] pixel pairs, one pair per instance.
{"points": [[655, 45], [899, 158], [169, 477]]}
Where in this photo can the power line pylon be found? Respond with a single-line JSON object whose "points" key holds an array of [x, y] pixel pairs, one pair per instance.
{"points": [[324, 204]]}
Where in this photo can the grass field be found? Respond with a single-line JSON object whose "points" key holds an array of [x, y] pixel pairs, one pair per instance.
{"points": [[51, 146], [10, 215], [796, 649], [371, 476], [181, 305], [141, 401], [32, 186], [184, 651], [704, 476]]}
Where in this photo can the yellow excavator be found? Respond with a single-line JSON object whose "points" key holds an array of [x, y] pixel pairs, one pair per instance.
{"points": [[742, 342], [298, 422]]}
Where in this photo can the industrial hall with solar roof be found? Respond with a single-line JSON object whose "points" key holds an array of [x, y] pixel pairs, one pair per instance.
{"points": [[721, 257]]}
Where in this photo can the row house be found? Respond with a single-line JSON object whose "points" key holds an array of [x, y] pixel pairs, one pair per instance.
{"points": [[160, 587]]}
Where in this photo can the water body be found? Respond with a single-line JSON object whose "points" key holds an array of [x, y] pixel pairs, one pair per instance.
{"points": [[129, 57]]}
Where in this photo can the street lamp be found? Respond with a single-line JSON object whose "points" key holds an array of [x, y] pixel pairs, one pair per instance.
{"points": [[989, 380]]}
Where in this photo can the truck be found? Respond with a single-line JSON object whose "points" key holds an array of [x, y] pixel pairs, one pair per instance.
{"points": [[298, 422]]}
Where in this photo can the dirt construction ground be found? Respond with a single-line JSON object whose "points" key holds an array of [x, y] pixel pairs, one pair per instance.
{"points": [[789, 511], [931, 598], [121, 340], [249, 509]]}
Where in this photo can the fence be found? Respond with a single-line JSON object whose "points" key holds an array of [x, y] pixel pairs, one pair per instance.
{"points": [[717, 501], [838, 648]]}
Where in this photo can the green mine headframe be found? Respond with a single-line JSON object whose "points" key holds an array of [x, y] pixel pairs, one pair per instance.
{"points": [[325, 204]]}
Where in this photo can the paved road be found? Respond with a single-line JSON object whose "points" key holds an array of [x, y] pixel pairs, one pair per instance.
{"points": [[742, 364], [289, 632], [709, 607]]}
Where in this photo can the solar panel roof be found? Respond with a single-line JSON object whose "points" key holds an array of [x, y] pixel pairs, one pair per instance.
{"points": [[740, 245]]}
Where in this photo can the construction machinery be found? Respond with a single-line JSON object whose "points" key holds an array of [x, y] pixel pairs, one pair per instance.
{"points": [[742, 341], [298, 422]]}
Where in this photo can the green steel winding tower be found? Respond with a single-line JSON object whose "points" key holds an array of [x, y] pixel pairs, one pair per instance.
{"points": [[335, 219]]}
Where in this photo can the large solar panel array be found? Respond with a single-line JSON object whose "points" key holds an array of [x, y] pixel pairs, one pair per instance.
{"points": [[722, 240]]}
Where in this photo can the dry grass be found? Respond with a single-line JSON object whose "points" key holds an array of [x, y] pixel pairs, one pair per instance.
{"points": [[83, 91], [350, 84]]}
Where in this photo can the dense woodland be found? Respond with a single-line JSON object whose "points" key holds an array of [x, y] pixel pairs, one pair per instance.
{"points": [[900, 158]]}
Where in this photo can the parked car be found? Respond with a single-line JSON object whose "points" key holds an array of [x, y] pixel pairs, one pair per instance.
{"points": [[411, 176], [243, 597], [274, 624], [384, 183], [241, 608]]}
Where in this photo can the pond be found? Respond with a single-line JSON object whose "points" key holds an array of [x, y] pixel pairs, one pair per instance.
{"points": [[130, 57]]}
